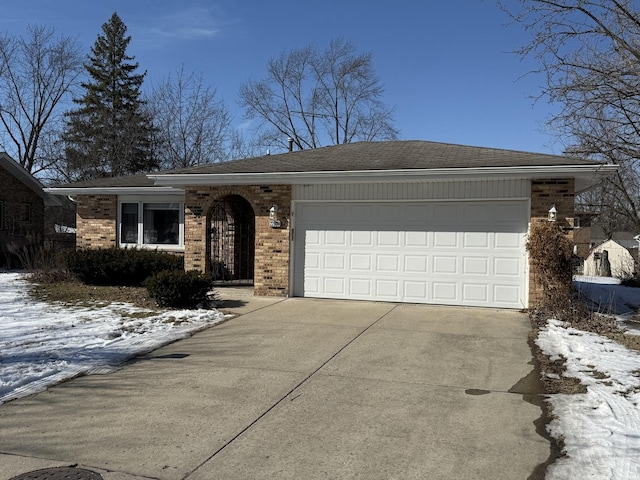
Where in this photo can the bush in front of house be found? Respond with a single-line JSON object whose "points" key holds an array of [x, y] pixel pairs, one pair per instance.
{"points": [[551, 254], [179, 289], [120, 266]]}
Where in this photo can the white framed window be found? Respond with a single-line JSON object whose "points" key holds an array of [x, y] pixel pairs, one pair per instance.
{"points": [[152, 222]]}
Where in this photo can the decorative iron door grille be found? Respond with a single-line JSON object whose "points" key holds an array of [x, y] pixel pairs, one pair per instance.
{"points": [[232, 242]]}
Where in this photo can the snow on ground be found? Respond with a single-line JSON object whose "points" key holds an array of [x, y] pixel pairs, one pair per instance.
{"points": [[601, 428], [43, 344]]}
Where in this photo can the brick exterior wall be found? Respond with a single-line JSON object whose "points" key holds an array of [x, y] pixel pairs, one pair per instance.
{"points": [[271, 267], [96, 221], [544, 193], [14, 229], [97, 228]]}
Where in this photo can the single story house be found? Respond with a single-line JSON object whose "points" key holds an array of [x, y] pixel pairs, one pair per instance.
{"points": [[610, 259], [22, 207], [399, 221]]}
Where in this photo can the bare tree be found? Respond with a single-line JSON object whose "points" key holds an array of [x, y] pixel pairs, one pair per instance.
{"points": [[317, 98], [241, 146], [37, 72], [192, 126], [589, 52]]}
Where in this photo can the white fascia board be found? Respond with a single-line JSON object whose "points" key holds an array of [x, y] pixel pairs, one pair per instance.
{"points": [[368, 176], [163, 190]]}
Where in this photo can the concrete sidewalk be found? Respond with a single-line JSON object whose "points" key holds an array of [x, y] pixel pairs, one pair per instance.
{"points": [[299, 388]]}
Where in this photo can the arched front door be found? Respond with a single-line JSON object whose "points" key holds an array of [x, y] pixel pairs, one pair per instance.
{"points": [[232, 240]]}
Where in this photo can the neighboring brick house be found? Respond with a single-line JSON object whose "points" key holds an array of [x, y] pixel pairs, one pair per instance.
{"points": [[402, 221], [22, 207]]}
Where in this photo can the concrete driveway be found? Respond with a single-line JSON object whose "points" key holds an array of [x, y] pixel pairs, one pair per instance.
{"points": [[300, 389]]}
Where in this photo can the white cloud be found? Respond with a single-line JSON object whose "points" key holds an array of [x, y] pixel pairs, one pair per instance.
{"points": [[192, 23]]}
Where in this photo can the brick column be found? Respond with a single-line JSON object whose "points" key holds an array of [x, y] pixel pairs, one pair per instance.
{"points": [[272, 244], [544, 193]]}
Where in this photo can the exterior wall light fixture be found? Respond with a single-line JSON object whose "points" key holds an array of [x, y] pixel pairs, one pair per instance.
{"points": [[274, 218], [553, 213]]}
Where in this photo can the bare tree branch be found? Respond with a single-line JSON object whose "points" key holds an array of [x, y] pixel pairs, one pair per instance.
{"points": [[37, 72], [589, 51], [318, 98], [192, 127]]}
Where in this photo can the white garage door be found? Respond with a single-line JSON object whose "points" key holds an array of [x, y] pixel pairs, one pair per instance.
{"points": [[450, 253]]}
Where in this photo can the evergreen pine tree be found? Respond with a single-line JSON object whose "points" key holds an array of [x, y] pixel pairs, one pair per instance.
{"points": [[109, 134]]}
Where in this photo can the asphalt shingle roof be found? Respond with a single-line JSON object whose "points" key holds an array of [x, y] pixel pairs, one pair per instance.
{"points": [[361, 156]]}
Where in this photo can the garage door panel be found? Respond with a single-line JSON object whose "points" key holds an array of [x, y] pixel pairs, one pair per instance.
{"points": [[416, 264], [476, 239], [507, 266], [361, 238], [312, 286], [361, 288], [335, 238], [445, 239], [445, 292], [387, 289], [361, 262], [507, 296], [507, 214], [389, 239], [473, 214], [388, 264], [445, 265], [416, 239], [313, 261], [415, 290], [335, 261], [454, 253], [417, 215], [334, 286], [446, 213], [475, 266], [508, 240], [312, 237], [475, 292]]}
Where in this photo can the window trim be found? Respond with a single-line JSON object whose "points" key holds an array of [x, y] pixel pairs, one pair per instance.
{"points": [[140, 201]]}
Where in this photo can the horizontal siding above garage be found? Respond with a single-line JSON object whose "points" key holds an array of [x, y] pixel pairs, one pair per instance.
{"points": [[435, 190]]}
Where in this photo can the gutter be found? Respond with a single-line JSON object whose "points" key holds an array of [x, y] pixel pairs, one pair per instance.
{"points": [[361, 176], [66, 191]]}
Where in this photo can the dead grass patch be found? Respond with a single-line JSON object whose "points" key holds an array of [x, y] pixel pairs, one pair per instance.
{"points": [[632, 342], [79, 294]]}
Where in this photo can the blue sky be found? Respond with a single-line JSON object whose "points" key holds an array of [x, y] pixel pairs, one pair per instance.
{"points": [[446, 65]]}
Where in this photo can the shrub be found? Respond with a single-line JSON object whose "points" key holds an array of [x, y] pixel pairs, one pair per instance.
{"points": [[120, 267], [179, 289], [551, 256], [44, 262]]}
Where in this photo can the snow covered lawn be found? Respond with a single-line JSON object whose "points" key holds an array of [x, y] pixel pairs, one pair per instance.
{"points": [[600, 428], [43, 344]]}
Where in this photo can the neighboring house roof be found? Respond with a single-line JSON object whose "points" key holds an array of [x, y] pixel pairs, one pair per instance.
{"points": [[27, 179], [626, 239], [362, 161]]}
